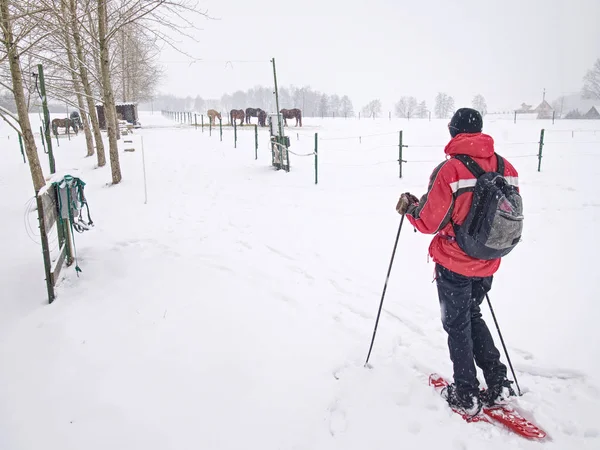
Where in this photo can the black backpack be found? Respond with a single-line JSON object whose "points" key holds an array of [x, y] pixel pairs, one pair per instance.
{"points": [[495, 221]]}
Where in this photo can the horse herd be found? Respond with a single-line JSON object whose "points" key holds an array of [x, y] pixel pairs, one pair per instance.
{"points": [[74, 120], [261, 115]]}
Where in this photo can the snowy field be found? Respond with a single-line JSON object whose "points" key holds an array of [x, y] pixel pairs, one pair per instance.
{"points": [[234, 310]]}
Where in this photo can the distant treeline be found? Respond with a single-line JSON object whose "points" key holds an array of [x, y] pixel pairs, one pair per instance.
{"points": [[312, 103]]}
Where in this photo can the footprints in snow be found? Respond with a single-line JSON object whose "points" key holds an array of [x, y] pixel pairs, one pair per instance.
{"points": [[337, 419], [244, 244], [407, 323], [279, 253], [147, 246]]}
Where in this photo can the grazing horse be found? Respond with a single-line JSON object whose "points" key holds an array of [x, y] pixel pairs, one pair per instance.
{"points": [[252, 112], [76, 118], [262, 118], [235, 114], [212, 114], [65, 123], [292, 114]]}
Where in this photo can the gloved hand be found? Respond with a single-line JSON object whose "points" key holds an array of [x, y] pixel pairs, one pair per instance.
{"points": [[405, 201]]}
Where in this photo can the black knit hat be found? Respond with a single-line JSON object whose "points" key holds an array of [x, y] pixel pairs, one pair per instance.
{"points": [[465, 120]]}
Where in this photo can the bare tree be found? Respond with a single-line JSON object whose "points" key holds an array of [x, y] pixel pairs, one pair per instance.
{"points": [[63, 38], [16, 27], [406, 107], [479, 104], [158, 18], [591, 86], [64, 63], [107, 92], [422, 112], [137, 72], [75, 29], [372, 109], [334, 105], [324, 105], [347, 107], [444, 105], [79, 62]]}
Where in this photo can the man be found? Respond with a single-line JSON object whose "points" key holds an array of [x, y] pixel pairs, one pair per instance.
{"points": [[462, 281]]}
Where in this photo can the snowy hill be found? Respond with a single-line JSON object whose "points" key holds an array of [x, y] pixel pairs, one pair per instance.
{"points": [[234, 310]]}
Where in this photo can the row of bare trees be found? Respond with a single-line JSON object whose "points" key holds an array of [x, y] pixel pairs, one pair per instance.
{"points": [[92, 51]]}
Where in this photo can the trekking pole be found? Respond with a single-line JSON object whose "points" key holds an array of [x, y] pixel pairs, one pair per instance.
{"points": [[384, 289], [504, 346]]}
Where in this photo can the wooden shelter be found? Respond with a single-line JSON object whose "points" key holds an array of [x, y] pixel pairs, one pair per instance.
{"points": [[125, 111]]}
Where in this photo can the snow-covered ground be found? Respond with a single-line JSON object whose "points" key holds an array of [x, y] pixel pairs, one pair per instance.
{"points": [[235, 309]]}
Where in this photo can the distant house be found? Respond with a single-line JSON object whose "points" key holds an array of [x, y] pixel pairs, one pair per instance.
{"points": [[544, 110], [525, 112], [125, 111], [524, 109], [593, 113]]}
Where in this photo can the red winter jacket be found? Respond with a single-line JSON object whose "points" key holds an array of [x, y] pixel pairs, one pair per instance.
{"points": [[449, 197]]}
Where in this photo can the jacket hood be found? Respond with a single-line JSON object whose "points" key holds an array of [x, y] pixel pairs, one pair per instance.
{"points": [[476, 145]]}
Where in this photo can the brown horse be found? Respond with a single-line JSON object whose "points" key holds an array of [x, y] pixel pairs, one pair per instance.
{"points": [[262, 118], [252, 112], [212, 114], [65, 123], [292, 114], [235, 114]]}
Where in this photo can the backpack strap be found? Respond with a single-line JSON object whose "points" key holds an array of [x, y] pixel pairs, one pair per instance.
{"points": [[470, 163], [476, 169], [500, 168]]}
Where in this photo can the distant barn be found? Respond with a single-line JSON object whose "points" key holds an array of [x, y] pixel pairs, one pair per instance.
{"points": [[125, 111], [593, 113], [544, 110]]}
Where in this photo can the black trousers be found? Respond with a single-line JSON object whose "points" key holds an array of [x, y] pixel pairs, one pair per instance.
{"points": [[469, 339]]}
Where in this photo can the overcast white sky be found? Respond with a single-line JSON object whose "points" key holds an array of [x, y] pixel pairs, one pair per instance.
{"points": [[507, 50]]}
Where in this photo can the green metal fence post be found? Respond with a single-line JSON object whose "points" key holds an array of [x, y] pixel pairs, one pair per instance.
{"points": [[221, 129], [46, 118], [400, 155], [43, 139], [540, 151], [316, 158], [234, 134], [255, 142]]}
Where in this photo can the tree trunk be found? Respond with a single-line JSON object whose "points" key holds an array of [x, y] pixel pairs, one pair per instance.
{"points": [[14, 62], [83, 74], [123, 66], [77, 84], [109, 101], [94, 52], [98, 63]]}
